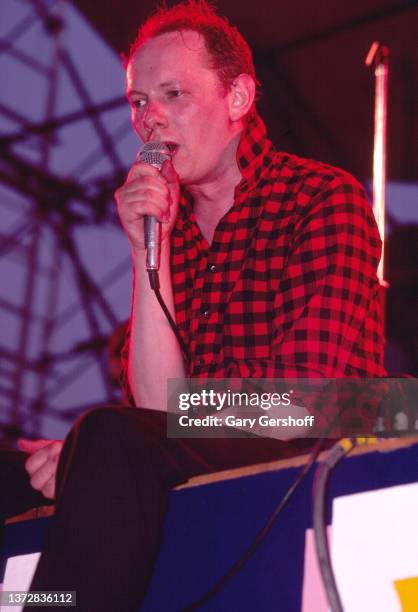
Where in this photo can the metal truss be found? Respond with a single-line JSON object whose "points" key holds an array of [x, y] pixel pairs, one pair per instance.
{"points": [[55, 206]]}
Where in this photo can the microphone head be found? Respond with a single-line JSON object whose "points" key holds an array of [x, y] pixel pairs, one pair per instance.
{"points": [[154, 153]]}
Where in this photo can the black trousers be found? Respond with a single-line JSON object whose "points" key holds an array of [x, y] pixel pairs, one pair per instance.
{"points": [[114, 475]]}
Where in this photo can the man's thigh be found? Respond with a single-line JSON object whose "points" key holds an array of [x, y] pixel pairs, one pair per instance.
{"points": [[187, 457]]}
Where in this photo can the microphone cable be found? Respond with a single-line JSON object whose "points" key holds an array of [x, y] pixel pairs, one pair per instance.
{"points": [[341, 449], [322, 474], [155, 286], [236, 567]]}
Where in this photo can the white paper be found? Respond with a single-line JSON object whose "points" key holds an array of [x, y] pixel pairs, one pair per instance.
{"points": [[18, 576], [314, 598], [374, 543]]}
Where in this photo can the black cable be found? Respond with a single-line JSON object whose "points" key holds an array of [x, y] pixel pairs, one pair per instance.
{"points": [[321, 540], [264, 531], [155, 286], [234, 569], [336, 453]]}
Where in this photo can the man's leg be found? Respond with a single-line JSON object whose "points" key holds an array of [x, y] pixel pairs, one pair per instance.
{"points": [[116, 469]]}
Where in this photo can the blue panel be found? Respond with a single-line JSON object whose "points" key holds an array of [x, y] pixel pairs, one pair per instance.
{"points": [[21, 539], [209, 527]]}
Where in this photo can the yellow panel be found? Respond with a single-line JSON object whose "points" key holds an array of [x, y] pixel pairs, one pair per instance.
{"points": [[408, 593]]}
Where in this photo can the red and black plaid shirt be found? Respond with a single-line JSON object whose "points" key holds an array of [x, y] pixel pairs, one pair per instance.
{"points": [[288, 286]]}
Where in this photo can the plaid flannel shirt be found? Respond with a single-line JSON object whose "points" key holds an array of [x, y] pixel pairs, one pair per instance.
{"points": [[288, 286]]}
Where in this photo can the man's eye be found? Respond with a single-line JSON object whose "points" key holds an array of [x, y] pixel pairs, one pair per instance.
{"points": [[174, 93], [138, 103]]}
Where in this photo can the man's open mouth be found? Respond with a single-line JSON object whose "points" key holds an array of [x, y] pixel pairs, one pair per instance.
{"points": [[172, 147]]}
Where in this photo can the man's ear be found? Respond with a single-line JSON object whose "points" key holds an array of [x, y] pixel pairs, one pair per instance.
{"points": [[241, 96]]}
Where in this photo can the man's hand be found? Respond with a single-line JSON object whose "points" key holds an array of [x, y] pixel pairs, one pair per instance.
{"points": [[42, 462], [148, 192]]}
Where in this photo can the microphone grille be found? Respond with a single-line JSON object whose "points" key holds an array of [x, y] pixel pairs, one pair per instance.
{"points": [[154, 153]]}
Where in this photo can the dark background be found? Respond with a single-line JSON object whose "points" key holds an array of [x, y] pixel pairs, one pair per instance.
{"points": [[317, 94]]}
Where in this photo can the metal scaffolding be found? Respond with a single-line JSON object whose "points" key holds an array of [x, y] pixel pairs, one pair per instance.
{"points": [[32, 373]]}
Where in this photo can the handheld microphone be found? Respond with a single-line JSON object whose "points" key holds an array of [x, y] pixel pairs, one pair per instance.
{"points": [[154, 153]]}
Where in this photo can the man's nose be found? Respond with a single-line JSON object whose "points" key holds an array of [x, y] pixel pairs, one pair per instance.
{"points": [[154, 116]]}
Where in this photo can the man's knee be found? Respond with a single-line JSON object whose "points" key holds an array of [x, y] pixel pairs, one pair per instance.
{"points": [[104, 422], [117, 421]]}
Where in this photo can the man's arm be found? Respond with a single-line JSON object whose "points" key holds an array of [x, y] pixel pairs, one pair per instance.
{"points": [[154, 353]]}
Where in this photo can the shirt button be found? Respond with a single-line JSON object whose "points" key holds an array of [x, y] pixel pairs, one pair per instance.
{"points": [[206, 314], [200, 361], [212, 268]]}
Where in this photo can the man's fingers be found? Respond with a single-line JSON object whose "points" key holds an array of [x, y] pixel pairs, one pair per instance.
{"points": [[147, 187], [42, 463], [147, 192], [31, 446], [50, 452], [141, 169], [49, 489], [40, 478]]}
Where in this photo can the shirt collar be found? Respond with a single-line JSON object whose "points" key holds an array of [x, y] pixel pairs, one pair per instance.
{"points": [[252, 150]]}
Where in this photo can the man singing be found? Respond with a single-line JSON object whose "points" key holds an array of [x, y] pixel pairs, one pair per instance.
{"points": [[268, 266]]}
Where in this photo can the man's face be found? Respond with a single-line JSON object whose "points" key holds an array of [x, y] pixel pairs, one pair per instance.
{"points": [[176, 98]]}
